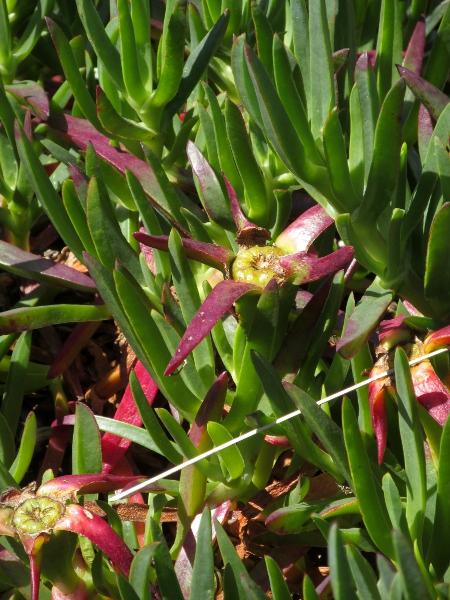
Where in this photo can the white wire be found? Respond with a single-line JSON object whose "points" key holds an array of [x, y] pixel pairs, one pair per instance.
{"points": [[252, 432]]}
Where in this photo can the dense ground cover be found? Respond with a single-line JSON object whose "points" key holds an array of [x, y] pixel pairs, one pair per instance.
{"points": [[213, 214]]}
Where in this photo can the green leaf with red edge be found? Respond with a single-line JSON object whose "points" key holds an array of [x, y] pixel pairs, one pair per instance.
{"points": [[46, 193], [73, 75], [86, 446], [36, 267], [213, 255], [367, 489], [202, 582], [430, 96], [212, 196], [30, 95], [79, 520], [437, 273], [24, 319], [364, 319]]}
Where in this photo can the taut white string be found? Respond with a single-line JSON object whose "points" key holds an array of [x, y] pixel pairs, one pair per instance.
{"points": [[252, 432]]}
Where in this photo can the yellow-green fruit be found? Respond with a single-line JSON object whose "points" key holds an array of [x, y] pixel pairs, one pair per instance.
{"points": [[36, 515], [258, 265]]}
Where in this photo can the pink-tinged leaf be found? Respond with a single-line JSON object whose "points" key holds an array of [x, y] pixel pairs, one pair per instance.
{"points": [[80, 520], [221, 298], [411, 309], [36, 267], [364, 58], [277, 440], [414, 53], [77, 340], [431, 392], [31, 95], [67, 486], [302, 267], [430, 96], [79, 181], [425, 129], [377, 399], [113, 446], [393, 332], [437, 339], [79, 593], [60, 436], [213, 255], [299, 236]]}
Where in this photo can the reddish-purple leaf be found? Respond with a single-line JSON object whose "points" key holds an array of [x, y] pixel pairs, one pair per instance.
{"points": [[213, 255], [210, 409], [60, 436], [239, 218], [81, 132], [31, 95], [377, 400], [393, 332], [430, 96], [80, 520], [414, 53], [425, 128], [339, 58], [36, 267], [303, 231], [363, 59], [302, 267], [67, 486], [113, 446], [221, 298]]}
